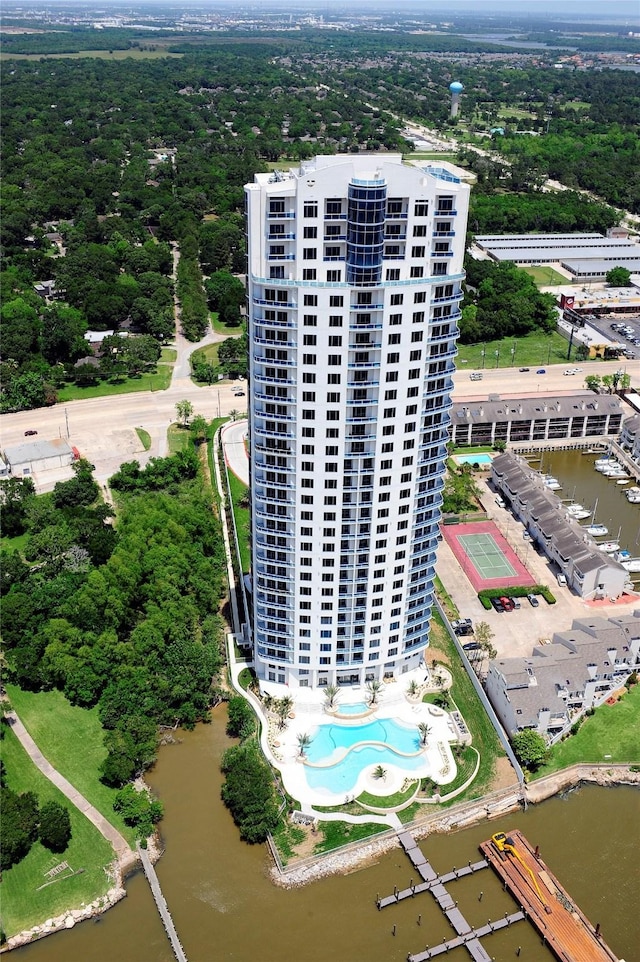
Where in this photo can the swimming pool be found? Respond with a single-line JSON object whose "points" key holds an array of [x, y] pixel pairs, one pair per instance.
{"points": [[482, 459], [357, 708], [338, 753], [329, 743], [342, 778]]}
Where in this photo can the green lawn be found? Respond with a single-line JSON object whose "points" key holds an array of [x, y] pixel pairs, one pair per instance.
{"points": [[387, 801], [535, 350], [337, 834], [72, 740], [612, 734], [168, 355], [241, 515], [545, 276], [14, 544], [145, 438], [159, 381], [220, 328], [179, 438], [485, 739], [87, 853]]}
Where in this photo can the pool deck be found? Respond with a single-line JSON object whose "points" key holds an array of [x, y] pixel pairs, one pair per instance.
{"points": [[309, 712]]}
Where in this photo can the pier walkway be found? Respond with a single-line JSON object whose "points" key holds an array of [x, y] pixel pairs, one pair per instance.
{"points": [[563, 927], [161, 905], [466, 937]]}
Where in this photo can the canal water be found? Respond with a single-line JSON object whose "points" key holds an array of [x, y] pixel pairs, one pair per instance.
{"points": [[582, 483], [225, 907]]}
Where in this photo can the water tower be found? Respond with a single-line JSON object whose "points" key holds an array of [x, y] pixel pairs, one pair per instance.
{"points": [[456, 89]]}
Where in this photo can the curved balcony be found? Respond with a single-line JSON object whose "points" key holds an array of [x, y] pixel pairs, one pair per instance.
{"points": [[277, 345]]}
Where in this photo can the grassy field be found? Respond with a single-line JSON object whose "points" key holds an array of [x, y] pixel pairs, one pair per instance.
{"points": [[178, 437], [224, 328], [612, 734], [96, 54], [88, 853], [337, 834], [485, 739], [208, 354], [72, 740], [14, 544], [159, 381], [145, 438], [535, 350], [238, 490], [545, 276], [168, 355]]}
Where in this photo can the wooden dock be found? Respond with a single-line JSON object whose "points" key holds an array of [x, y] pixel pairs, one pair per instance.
{"points": [[465, 937], [563, 927], [161, 905]]}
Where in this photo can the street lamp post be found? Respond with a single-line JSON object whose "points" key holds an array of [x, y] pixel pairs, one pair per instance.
{"points": [[482, 354], [497, 354], [513, 355]]}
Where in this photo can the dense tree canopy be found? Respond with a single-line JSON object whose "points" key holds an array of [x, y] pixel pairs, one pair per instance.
{"points": [[125, 618], [503, 301]]}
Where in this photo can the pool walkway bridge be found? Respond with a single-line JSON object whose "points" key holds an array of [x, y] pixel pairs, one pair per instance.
{"points": [[161, 905], [466, 936]]}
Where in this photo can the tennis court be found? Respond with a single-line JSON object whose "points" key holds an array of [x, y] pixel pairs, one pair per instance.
{"points": [[485, 556]]}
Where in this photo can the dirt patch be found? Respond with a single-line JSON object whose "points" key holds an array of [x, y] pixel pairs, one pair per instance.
{"points": [[503, 776]]}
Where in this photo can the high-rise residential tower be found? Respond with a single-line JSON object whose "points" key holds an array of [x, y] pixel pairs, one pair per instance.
{"points": [[354, 287]]}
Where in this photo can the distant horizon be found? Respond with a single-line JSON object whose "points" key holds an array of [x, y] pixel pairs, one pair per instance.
{"points": [[574, 9]]}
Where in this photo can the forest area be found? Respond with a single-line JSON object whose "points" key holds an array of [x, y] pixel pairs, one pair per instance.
{"points": [[105, 165]]}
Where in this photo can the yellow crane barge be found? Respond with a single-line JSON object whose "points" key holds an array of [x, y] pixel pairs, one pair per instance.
{"points": [[563, 927]]}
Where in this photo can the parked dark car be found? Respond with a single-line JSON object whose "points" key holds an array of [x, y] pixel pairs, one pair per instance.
{"points": [[533, 601], [497, 604], [507, 604], [463, 627], [471, 646], [524, 370], [30, 433]]}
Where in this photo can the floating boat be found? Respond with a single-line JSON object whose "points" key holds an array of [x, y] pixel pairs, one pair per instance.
{"points": [[551, 482], [578, 512], [596, 530], [608, 547], [618, 475], [622, 555], [633, 495], [633, 564], [623, 480]]}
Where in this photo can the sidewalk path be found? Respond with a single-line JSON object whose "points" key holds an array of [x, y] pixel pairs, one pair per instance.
{"points": [[118, 841]]}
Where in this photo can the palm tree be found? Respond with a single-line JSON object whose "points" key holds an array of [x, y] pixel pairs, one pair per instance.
{"points": [[379, 772], [283, 707], [425, 731], [267, 701], [373, 687], [330, 694], [413, 688], [304, 740]]}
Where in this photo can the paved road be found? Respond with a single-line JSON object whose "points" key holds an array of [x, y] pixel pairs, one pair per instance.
{"points": [[510, 380], [118, 841], [235, 452]]}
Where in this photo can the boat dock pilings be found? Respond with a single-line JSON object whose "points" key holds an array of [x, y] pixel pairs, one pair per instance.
{"points": [[466, 936]]}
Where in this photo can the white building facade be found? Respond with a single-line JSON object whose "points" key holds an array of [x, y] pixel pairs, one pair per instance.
{"points": [[354, 287]]}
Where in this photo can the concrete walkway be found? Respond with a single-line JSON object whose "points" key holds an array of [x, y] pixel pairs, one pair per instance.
{"points": [[105, 828]]}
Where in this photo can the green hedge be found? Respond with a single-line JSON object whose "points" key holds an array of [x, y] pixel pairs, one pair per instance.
{"points": [[487, 594]]}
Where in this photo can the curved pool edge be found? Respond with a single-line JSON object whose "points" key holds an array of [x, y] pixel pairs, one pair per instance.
{"points": [[376, 744]]}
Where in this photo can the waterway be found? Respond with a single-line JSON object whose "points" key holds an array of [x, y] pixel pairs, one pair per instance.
{"points": [[225, 907], [582, 483]]}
